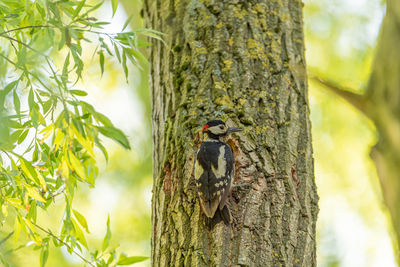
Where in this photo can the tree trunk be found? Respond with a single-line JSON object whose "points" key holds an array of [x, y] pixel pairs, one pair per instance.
{"points": [[383, 107], [243, 62]]}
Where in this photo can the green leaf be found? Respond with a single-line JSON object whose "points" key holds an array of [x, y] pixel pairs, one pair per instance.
{"points": [[105, 46], [33, 235], [41, 10], [35, 155], [33, 193], [92, 170], [127, 22], [62, 39], [17, 229], [59, 136], [102, 148], [82, 140], [22, 137], [79, 234], [114, 6], [141, 43], [35, 116], [42, 181], [102, 118], [47, 131], [44, 254], [14, 125], [115, 134], [151, 33], [29, 170], [31, 100], [111, 258], [78, 92], [123, 260], [78, 8], [9, 87], [15, 135], [116, 49], [32, 213], [81, 219], [78, 61], [139, 56], [87, 106], [17, 103], [76, 165], [94, 8], [107, 237], [147, 30], [15, 203], [101, 58], [124, 66], [47, 105], [64, 76], [99, 24]]}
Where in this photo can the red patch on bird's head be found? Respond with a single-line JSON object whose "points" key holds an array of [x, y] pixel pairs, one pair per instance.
{"points": [[205, 127]]}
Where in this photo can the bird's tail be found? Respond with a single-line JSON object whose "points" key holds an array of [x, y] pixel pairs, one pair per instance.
{"points": [[223, 215]]}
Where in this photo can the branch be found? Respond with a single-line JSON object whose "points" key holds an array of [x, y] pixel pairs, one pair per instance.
{"points": [[64, 243], [356, 100], [9, 60], [24, 70], [25, 27], [6, 238], [22, 43]]}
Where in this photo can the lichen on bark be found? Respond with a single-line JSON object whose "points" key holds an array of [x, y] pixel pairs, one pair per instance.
{"points": [[243, 62]]}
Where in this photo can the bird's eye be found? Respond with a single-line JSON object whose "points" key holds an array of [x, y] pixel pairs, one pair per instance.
{"points": [[221, 127]]}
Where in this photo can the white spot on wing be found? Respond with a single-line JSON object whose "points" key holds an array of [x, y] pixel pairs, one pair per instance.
{"points": [[198, 170], [221, 170]]}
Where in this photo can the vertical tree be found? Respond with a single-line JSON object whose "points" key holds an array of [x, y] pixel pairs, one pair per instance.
{"points": [[381, 104], [242, 61]]}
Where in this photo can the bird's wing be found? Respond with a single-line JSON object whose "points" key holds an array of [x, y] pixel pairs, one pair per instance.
{"points": [[213, 176], [229, 174], [201, 175]]}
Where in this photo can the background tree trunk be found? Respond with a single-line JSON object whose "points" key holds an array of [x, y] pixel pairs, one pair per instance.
{"points": [[383, 107], [381, 104], [242, 61]]}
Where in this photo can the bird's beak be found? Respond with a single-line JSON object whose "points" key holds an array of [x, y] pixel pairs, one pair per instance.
{"points": [[234, 129]]}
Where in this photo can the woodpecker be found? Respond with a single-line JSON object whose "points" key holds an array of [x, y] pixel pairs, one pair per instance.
{"points": [[214, 171]]}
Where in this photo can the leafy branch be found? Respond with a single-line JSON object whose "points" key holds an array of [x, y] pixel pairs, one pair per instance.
{"points": [[43, 114], [64, 243]]}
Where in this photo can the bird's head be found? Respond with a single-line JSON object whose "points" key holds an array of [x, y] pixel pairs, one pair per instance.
{"points": [[217, 128]]}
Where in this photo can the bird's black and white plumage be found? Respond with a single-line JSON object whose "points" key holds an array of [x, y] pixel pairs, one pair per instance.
{"points": [[214, 170]]}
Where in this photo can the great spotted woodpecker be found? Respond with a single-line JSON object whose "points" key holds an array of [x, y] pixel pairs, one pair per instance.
{"points": [[214, 171]]}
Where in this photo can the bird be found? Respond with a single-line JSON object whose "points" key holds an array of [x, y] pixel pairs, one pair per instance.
{"points": [[214, 171]]}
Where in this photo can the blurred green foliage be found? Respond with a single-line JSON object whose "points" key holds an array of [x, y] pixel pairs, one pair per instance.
{"points": [[48, 133]]}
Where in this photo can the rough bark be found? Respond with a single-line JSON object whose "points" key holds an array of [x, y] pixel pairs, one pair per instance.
{"points": [[242, 61]]}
